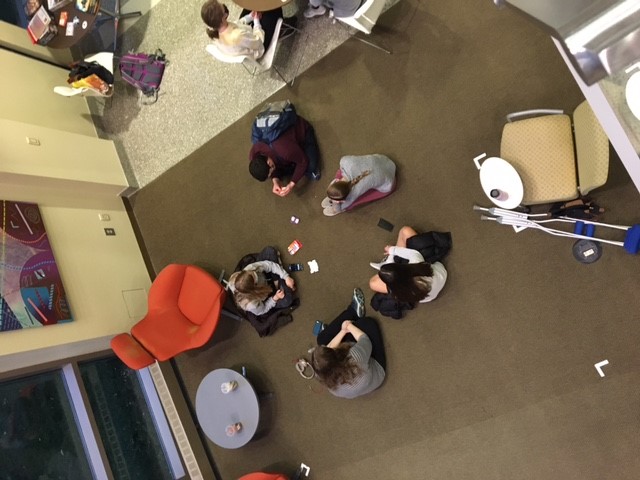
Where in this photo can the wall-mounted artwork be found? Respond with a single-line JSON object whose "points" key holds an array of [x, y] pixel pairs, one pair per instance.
{"points": [[31, 291]]}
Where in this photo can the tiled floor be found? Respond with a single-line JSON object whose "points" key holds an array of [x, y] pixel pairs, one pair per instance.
{"points": [[200, 96]]}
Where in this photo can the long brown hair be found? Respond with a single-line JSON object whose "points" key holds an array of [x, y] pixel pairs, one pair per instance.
{"points": [[212, 14], [340, 190], [334, 366], [247, 287]]}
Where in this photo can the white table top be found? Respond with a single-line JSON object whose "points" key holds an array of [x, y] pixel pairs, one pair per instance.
{"points": [[632, 93], [216, 410], [498, 174]]}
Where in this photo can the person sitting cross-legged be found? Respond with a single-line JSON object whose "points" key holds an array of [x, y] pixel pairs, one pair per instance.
{"points": [[350, 359], [360, 179], [293, 155], [404, 273]]}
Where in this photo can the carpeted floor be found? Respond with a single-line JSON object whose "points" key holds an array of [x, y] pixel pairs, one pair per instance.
{"points": [[494, 379]]}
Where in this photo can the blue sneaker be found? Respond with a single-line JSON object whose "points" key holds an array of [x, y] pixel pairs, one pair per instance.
{"points": [[357, 302]]}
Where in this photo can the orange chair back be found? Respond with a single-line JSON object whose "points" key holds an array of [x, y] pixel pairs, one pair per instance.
{"points": [[263, 476]]}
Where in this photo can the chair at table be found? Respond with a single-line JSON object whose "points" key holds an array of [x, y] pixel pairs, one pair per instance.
{"points": [[253, 66], [365, 19], [185, 304], [541, 149], [106, 60]]}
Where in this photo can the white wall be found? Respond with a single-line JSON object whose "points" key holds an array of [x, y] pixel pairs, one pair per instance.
{"points": [[60, 155], [73, 176], [97, 271], [26, 95]]}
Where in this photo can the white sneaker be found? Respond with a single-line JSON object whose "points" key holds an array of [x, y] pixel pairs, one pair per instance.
{"points": [[326, 202], [377, 266], [332, 210], [311, 12]]}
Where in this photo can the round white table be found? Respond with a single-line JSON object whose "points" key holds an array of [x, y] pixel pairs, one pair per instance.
{"points": [[216, 410], [632, 94], [499, 175]]}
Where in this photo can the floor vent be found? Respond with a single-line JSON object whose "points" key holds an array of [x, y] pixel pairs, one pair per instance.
{"points": [[174, 422]]}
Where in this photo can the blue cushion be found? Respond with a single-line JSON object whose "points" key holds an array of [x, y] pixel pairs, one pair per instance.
{"points": [[632, 239]]}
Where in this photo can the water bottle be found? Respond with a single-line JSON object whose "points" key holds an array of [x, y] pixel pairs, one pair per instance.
{"points": [[498, 195]]}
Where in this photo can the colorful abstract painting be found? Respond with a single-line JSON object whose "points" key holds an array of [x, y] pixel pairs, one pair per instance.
{"points": [[31, 291]]}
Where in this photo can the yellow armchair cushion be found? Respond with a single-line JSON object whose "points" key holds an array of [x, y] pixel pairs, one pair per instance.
{"points": [[541, 151]]}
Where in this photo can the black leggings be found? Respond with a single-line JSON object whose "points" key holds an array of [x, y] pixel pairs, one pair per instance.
{"points": [[268, 23], [367, 324]]}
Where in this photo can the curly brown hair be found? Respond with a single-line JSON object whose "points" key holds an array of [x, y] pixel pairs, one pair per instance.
{"points": [[334, 366]]}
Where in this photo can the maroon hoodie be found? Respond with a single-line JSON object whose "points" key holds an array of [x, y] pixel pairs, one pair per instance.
{"points": [[287, 152]]}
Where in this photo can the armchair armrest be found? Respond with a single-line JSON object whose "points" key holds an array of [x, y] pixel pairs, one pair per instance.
{"points": [[512, 117]]}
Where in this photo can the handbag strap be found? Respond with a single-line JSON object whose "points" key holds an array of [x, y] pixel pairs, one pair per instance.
{"points": [[303, 367]]}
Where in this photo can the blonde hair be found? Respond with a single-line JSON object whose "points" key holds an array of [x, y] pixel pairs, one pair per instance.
{"points": [[339, 190], [247, 289]]}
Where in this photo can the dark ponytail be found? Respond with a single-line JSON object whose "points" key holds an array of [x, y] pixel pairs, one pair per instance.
{"points": [[406, 281]]}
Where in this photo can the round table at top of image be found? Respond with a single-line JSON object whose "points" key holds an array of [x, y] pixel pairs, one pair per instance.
{"points": [[61, 40], [498, 174], [216, 410], [261, 5]]}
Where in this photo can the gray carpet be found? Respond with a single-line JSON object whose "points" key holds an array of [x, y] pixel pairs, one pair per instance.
{"points": [[494, 379]]}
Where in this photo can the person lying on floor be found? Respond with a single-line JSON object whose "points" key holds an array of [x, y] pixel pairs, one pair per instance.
{"points": [[294, 154], [360, 180], [242, 38], [405, 274], [350, 359], [263, 285]]}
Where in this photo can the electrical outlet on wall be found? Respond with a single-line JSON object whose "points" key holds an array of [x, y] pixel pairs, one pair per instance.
{"points": [[109, 231]]}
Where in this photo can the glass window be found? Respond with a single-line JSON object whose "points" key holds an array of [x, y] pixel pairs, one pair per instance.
{"points": [[49, 430], [39, 437], [125, 423]]}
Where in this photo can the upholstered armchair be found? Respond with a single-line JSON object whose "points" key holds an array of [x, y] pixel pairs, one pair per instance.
{"points": [[185, 303]]}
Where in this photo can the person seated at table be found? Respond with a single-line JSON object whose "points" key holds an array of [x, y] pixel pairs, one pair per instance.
{"points": [[340, 8], [404, 273], [263, 286], [242, 38], [350, 359], [360, 179], [293, 155]]}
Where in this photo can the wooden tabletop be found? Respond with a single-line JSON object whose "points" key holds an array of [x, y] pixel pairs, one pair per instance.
{"points": [[61, 40], [261, 5]]}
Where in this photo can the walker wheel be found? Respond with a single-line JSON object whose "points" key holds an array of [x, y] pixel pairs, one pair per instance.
{"points": [[587, 251]]}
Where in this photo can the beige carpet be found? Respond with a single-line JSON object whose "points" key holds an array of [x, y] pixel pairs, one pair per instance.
{"points": [[494, 379]]}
